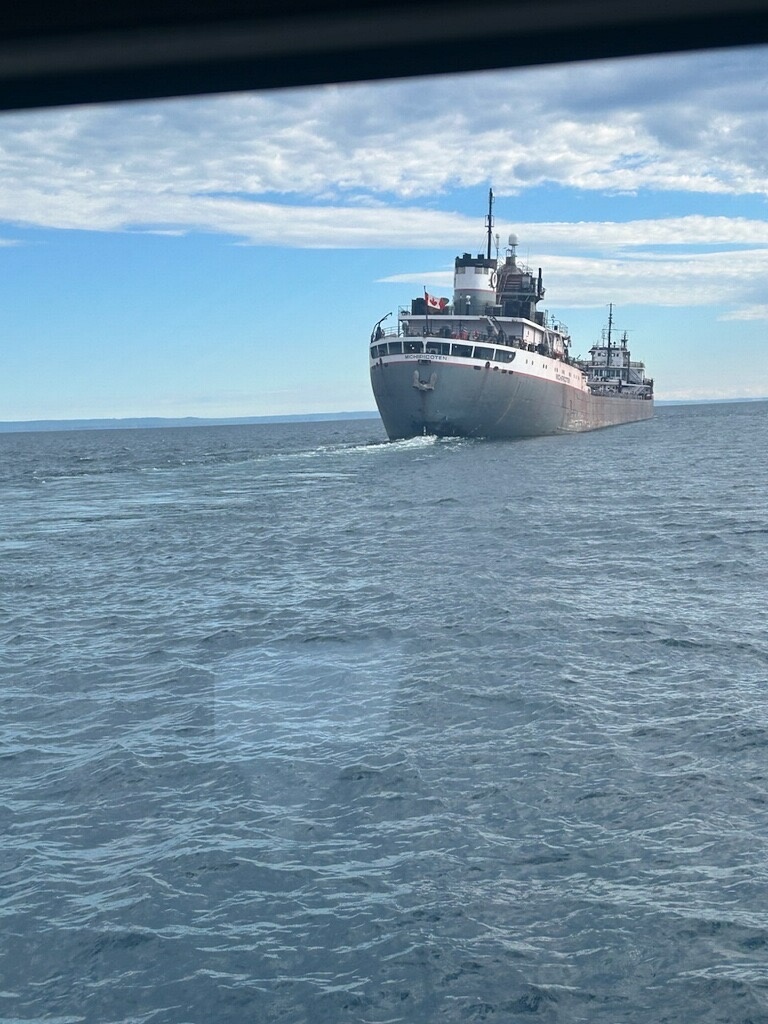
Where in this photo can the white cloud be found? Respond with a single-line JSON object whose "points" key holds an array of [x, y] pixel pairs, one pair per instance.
{"points": [[691, 123], [754, 311], [365, 165]]}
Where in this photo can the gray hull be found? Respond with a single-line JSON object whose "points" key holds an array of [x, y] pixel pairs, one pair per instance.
{"points": [[457, 400]]}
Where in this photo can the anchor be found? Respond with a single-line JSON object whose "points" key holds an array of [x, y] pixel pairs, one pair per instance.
{"points": [[424, 385]]}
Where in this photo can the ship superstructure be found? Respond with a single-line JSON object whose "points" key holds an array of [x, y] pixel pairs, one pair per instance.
{"points": [[487, 363]]}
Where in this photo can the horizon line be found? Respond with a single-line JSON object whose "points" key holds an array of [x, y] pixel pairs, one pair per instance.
{"points": [[147, 422]]}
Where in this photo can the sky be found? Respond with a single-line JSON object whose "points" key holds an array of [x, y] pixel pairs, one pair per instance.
{"points": [[227, 256]]}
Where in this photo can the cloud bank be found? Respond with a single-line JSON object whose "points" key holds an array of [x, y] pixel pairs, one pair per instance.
{"points": [[692, 123], [375, 165]]}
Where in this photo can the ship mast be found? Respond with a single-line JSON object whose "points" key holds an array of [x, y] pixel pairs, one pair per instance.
{"points": [[608, 353], [489, 222]]}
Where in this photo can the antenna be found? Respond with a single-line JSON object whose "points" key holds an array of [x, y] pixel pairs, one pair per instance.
{"points": [[489, 221]]}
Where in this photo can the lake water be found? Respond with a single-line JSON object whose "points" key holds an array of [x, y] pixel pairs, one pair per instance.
{"points": [[301, 726]]}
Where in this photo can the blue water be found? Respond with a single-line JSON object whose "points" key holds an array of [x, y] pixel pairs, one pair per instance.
{"points": [[301, 726]]}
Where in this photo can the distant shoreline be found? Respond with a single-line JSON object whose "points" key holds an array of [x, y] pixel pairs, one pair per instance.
{"points": [[156, 422]]}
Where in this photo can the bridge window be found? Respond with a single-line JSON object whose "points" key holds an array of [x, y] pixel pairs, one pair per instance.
{"points": [[413, 346], [483, 353], [395, 347], [465, 351], [438, 348], [503, 356]]}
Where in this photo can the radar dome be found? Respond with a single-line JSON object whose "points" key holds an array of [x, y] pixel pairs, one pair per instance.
{"points": [[513, 239]]}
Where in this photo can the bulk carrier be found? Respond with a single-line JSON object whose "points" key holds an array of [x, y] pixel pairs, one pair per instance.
{"points": [[488, 364]]}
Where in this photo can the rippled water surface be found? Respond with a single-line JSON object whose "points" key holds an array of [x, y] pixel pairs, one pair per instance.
{"points": [[300, 726]]}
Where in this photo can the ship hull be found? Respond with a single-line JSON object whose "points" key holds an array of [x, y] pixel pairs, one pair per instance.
{"points": [[464, 400]]}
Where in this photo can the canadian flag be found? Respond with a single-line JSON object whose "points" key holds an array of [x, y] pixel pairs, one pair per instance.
{"points": [[432, 303]]}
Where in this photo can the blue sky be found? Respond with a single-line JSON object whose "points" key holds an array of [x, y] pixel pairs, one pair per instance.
{"points": [[227, 256]]}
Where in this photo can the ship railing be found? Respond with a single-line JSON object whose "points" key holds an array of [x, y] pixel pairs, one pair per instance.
{"points": [[456, 332], [557, 325], [385, 332], [620, 389]]}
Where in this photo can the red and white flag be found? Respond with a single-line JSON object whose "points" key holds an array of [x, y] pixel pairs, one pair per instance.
{"points": [[433, 303]]}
